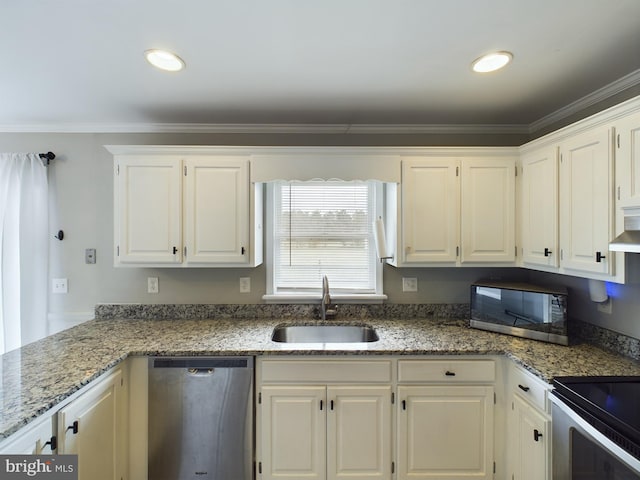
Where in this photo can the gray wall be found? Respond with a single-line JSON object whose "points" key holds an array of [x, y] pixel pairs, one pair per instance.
{"points": [[81, 195], [625, 308]]}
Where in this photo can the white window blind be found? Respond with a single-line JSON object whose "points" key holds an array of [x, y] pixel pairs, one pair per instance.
{"points": [[324, 228]]}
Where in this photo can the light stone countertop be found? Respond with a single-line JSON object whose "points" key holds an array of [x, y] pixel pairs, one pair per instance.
{"points": [[39, 376]]}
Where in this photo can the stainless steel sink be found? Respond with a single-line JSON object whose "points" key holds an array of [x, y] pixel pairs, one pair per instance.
{"points": [[324, 334]]}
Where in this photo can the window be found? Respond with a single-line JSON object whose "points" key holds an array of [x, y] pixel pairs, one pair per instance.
{"points": [[319, 228]]}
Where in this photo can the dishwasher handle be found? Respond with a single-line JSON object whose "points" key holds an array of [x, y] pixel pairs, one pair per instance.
{"points": [[202, 365]]}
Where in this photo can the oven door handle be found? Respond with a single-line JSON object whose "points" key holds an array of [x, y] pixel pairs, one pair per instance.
{"points": [[597, 436]]}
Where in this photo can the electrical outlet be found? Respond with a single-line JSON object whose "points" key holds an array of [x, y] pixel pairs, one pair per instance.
{"points": [[606, 307], [59, 285], [245, 284], [152, 285], [409, 284]]}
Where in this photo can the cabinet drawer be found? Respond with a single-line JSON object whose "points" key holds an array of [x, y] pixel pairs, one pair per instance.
{"points": [[529, 387], [449, 371], [326, 371]]}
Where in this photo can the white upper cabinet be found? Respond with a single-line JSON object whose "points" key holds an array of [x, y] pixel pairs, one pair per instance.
{"points": [[148, 210], [628, 160], [586, 214], [430, 210], [457, 210], [539, 208], [186, 211], [488, 210], [216, 210], [598, 176]]}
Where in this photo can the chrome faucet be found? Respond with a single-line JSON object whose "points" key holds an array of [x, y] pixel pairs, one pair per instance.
{"points": [[326, 308]]}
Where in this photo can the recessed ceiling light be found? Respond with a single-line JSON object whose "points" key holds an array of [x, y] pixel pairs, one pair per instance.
{"points": [[164, 60], [492, 62]]}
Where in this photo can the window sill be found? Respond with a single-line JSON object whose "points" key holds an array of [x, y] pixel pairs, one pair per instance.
{"points": [[337, 299]]}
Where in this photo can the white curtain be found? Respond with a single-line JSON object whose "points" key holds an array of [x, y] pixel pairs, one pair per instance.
{"points": [[24, 244]]}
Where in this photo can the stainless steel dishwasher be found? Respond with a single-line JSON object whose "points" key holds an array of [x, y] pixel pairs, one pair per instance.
{"points": [[200, 418]]}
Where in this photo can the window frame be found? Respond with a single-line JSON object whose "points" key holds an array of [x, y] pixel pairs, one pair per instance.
{"points": [[287, 296]]}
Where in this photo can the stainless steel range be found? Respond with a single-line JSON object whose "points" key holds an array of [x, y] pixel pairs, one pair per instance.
{"points": [[596, 428]]}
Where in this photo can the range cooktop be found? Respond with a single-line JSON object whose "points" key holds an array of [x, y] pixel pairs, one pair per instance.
{"points": [[611, 404]]}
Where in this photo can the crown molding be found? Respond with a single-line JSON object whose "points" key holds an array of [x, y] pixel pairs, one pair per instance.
{"points": [[615, 87], [270, 128]]}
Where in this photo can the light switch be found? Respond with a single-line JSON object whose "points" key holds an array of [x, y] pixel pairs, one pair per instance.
{"points": [[90, 256]]}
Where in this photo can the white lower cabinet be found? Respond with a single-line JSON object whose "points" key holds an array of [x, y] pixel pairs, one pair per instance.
{"points": [[528, 426], [529, 430], [94, 427], [37, 438], [445, 426], [325, 431], [445, 432], [293, 432]]}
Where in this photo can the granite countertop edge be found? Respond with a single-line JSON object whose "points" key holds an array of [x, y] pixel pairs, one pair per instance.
{"points": [[42, 375]]}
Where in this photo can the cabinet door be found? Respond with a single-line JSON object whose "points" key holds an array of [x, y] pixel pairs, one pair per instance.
{"points": [[540, 208], [529, 441], [148, 210], [359, 432], [628, 160], [216, 196], [91, 427], [445, 432], [430, 210], [293, 432], [488, 210], [585, 202], [33, 439]]}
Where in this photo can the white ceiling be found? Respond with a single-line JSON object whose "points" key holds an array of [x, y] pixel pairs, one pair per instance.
{"points": [[78, 64]]}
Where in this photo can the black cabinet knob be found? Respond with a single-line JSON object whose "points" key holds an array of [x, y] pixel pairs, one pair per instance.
{"points": [[53, 443], [599, 257], [547, 252], [536, 435], [74, 427]]}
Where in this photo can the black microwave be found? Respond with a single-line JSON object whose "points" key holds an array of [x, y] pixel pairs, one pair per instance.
{"points": [[520, 309]]}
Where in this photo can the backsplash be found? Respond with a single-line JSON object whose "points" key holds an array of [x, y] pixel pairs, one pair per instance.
{"points": [[604, 338], [271, 311]]}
